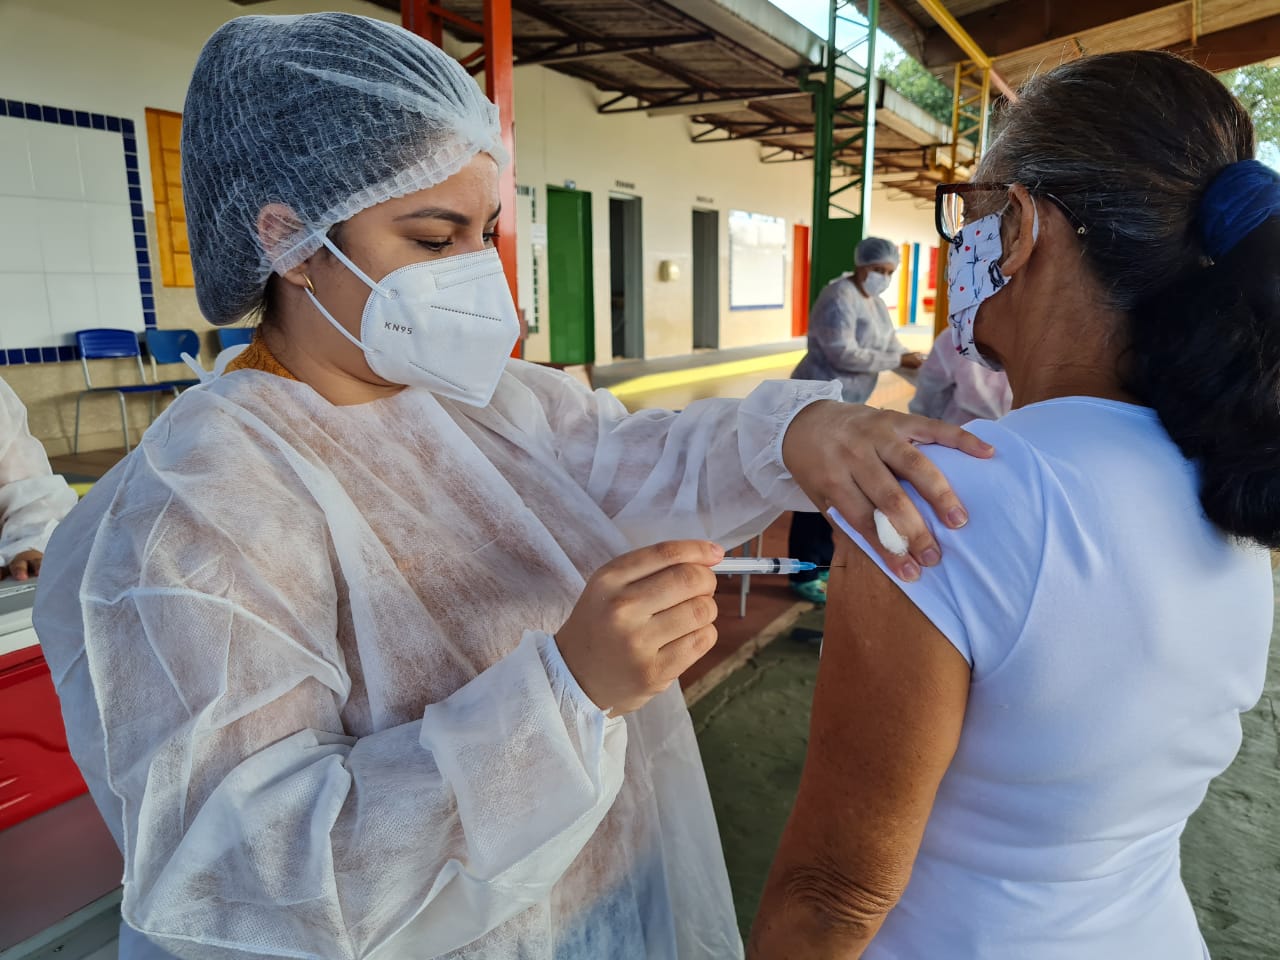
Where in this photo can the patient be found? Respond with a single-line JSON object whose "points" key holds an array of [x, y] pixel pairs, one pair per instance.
{"points": [[1003, 755]]}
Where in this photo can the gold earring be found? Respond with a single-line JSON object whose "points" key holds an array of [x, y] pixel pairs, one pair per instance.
{"points": [[307, 281]]}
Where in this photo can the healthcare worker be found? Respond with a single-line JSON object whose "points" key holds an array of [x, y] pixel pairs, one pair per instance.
{"points": [[851, 339], [953, 388], [33, 499], [368, 648]]}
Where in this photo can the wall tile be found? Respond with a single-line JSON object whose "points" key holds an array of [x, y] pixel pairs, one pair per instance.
{"points": [[111, 240], [20, 235], [24, 309], [102, 167], [55, 161], [64, 237], [15, 159], [73, 305], [119, 304]]}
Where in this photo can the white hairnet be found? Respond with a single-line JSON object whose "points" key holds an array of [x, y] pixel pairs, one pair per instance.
{"points": [[327, 114], [876, 250]]}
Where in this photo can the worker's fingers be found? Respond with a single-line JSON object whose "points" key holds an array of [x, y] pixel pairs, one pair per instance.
{"points": [[679, 655], [924, 430], [638, 564], [668, 588], [884, 490], [907, 461], [858, 512], [19, 569], [688, 617]]}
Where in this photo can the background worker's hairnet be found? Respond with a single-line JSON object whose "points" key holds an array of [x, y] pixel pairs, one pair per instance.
{"points": [[875, 250], [328, 114]]}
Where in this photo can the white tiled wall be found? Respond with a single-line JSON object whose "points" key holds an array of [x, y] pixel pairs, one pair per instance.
{"points": [[67, 257]]}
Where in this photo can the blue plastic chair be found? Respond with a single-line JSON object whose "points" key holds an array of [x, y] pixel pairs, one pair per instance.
{"points": [[234, 336], [107, 344], [168, 346]]}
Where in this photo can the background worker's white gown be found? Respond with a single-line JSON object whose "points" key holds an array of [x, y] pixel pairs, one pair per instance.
{"points": [[33, 499], [310, 678]]}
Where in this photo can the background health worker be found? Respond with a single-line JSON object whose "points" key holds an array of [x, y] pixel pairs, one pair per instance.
{"points": [[32, 497], [368, 648]]}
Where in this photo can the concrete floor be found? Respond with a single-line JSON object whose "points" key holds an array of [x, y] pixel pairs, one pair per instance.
{"points": [[753, 731]]}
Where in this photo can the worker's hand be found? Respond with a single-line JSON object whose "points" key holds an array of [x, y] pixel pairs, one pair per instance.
{"points": [[911, 361], [24, 566], [642, 620], [846, 455]]}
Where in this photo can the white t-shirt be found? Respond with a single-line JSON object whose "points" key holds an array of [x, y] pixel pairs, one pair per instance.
{"points": [[1115, 637]]}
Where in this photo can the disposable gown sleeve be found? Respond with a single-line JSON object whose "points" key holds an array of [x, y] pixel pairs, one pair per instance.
{"points": [[255, 827], [840, 329], [32, 498], [713, 469]]}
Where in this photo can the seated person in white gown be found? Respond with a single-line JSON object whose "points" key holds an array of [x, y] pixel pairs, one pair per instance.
{"points": [[33, 499], [1004, 753]]}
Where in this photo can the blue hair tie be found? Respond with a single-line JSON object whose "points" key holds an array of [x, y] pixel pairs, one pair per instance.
{"points": [[1241, 198]]}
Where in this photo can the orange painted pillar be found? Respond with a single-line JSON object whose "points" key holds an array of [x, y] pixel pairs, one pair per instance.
{"points": [[420, 17], [499, 77], [426, 18], [905, 267]]}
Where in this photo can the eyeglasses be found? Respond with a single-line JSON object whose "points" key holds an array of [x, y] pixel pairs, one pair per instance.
{"points": [[957, 204]]}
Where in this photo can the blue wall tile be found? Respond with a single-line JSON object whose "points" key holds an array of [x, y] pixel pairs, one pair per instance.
{"points": [[15, 356], [98, 120], [32, 354], [49, 354], [4, 108], [33, 111], [82, 118], [49, 114], [66, 354]]}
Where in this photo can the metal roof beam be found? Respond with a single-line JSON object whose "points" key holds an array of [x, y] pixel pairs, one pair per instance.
{"points": [[971, 48], [722, 98], [607, 48], [1015, 25]]}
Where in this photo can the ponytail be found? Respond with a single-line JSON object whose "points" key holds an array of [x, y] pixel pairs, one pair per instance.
{"points": [[1205, 354]]}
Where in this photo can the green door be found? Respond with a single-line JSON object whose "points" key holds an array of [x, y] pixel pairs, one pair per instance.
{"points": [[570, 287]]}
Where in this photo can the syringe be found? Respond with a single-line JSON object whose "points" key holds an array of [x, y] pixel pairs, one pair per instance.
{"points": [[740, 565]]}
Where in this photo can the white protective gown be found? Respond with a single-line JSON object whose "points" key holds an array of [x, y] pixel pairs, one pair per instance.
{"points": [[32, 497], [311, 682]]}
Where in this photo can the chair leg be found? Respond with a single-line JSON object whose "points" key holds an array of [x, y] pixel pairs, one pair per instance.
{"points": [[124, 421], [75, 443]]}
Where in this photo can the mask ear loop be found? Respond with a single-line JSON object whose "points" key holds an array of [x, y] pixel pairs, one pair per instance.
{"points": [[350, 265], [311, 294]]}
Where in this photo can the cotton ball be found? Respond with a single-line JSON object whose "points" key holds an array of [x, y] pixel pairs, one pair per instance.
{"points": [[889, 536]]}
